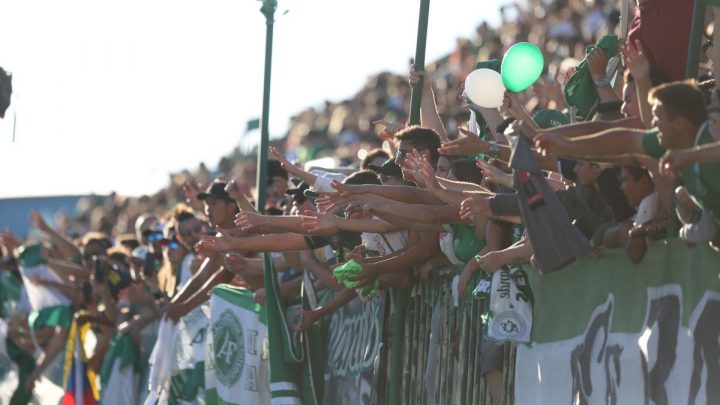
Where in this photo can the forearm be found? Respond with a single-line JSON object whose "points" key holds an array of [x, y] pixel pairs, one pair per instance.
{"points": [[203, 294], [406, 194], [642, 87], [607, 94], [207, 270], [291, 288], [619, 141], [706, 153], [452, 197], [323, 273], [417, 254], [64, 245], [66, 268], [429, 116], [365, 225], [590, 127], [283, 242], [460, 186], [517, 254], [428, 214]]}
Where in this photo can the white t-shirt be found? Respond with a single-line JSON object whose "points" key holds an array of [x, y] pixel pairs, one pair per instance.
{"points": [[647, 210], [392, 242]]}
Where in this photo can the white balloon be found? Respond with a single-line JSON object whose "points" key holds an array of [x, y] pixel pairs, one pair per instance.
{"points": [[485, 88]]}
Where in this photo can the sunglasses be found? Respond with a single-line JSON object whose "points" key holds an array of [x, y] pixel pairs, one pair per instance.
{"points": [[172, 245], [152, 236]]}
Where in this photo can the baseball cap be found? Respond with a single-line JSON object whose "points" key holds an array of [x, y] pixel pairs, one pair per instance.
{"points": [[217, 190], [389, 168]]}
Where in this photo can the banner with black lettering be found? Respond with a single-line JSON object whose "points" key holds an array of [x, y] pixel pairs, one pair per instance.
{"points": [[611, 332], [236, 359], [354, 342]]}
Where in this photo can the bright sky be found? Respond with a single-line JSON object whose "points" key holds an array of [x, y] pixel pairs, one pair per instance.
{"points": [[116, 95]]}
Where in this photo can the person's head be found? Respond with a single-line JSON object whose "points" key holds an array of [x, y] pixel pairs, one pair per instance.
{"points": [[188, 228], [375, 157], [300, 203], [361, 177], [678, 110], [587, 172], [630, 106], [220, 208], [277, 177], [389, 172], [442, 168], [173, 250], [636, 184], [95, 244], [426, 141], [143, 225]]}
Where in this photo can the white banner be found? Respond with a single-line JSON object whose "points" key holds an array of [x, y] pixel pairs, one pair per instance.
{"points": [[236, 359]]}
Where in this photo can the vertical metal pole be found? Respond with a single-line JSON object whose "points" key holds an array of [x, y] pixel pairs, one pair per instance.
{"points": [[268, 10], [416, 95], [402, 296], [696, 31]]}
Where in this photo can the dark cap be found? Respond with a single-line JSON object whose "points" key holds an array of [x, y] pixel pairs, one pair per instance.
{"points": [[298, 193], [217, 190], [389, 168]]}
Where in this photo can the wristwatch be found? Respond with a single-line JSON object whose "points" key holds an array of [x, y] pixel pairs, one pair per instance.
{"points": [[602, 82]]}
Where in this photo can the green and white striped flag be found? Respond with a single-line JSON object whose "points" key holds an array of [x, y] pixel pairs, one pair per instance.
{"points": [[236, 359], [297, 360], [119, 375], [188, 378]]}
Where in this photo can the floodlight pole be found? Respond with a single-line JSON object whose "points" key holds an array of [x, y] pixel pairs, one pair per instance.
{"points": [[268, 10]]}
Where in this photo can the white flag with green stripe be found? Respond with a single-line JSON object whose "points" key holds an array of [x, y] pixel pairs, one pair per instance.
{"points": [[236, 359]]}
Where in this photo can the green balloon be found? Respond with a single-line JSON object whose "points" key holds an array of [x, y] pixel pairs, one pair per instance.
{"points": [[521, 66]]}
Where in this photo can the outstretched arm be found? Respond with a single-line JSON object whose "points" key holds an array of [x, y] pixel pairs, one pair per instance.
{"points": [[64, 245]]}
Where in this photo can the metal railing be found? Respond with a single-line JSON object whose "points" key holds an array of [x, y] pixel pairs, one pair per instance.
{"points": [[450, 375]]}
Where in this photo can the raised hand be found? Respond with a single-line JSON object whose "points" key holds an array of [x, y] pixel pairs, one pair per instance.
{"points": [[635, 60], [475, 204], [259, 296], [316, 222], [38, 221], [234, 262], [191, 192], [673, 161], [304, 320], [466, 145], [427, 175], [250, 222], [233, 190], [366, 277], [494, 174], [221, 243], [597, 63], [289, 167]]}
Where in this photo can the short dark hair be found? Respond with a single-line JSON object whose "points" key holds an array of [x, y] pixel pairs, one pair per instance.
{"points": [[637, 172], [422, 138], [363, 177], [682, 98], [372, 155]]}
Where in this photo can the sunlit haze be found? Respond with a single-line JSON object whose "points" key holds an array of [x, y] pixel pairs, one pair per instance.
{"points": [[116, 95]]}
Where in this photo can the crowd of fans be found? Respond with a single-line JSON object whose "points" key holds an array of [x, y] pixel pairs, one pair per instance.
{"points": [[642, 166]]}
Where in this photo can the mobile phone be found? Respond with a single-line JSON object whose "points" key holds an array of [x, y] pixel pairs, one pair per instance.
{"points": [[100, 270]]}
